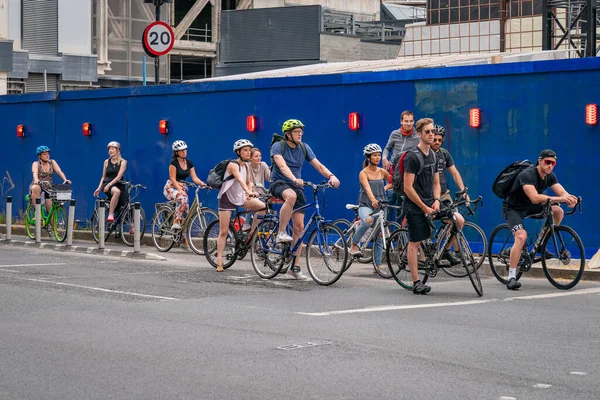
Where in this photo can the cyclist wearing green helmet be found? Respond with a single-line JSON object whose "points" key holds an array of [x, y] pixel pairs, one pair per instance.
{"points": [[43, 172], [286, 183]]}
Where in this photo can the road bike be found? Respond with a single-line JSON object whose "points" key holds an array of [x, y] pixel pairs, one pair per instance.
{"points": [[193, 227], [123, 225], [54, 220], [561, 251]]}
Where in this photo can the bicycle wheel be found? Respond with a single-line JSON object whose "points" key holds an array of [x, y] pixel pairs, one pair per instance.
{"points": [[265, 253], [346, 227], [397, 260], [59, 224], [326, 254], [30, 221], [96, 228], [565, 269], [127, 226], [469, 262], [381, 270], [478, 243], [501, 241], [162, 236], [197, 226], [210, 245]]}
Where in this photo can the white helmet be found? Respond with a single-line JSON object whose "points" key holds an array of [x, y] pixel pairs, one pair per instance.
{"points": [[371, 148], [242, 143], [179, 145], [114, 144]]}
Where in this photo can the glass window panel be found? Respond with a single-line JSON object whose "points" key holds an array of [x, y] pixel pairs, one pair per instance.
{"points": [[494, 11], [435, 4], [444, 15], [484, 1], [435, 17], [474, 14], [527, 9], [454, 15], [464, 14], [444, 4], [464, 3], [453, 3], [537, 7], [484, 12]]}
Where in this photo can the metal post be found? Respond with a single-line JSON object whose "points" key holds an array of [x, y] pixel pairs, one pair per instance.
{"points": [[101, 215], [157, 3], [38, 220], [590, 40], [144, 70], [546, 26], [136, 227], [8, 218], [70, 222]]}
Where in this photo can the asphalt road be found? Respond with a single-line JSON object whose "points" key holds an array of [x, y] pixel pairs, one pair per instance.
{"points": [[76, 326]]}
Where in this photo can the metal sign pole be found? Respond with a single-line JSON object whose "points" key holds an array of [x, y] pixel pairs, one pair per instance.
{"points": [[38, 220], [157, 3], [70, 222], [136, 227], [8, 218], [101, 212]]}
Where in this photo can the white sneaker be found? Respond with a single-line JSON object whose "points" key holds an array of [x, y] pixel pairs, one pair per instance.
{"points": [[175, 226], [283, 237], [297, 273]]}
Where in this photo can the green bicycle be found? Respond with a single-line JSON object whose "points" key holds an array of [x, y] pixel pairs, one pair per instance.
{"points": [[55, 220]]}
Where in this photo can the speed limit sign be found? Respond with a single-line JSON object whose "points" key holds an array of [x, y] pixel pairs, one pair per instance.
{"points": [[158, 39]]}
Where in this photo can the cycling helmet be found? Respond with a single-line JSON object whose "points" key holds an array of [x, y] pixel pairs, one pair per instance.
{"points": [[242, 143], [291, 124], [114, 144], [179, 145], [42, 149], [439, 130], [371, 148]]}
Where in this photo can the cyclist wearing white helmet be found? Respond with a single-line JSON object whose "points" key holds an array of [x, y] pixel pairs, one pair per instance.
{"points": [[43, 172], [288, 157], [180, 169], [373, 185], [236, 192], [112, 173]]}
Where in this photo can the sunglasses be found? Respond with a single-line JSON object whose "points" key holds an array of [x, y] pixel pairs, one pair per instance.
{"points": [[550, 162], [438, 140], [429, 131]]}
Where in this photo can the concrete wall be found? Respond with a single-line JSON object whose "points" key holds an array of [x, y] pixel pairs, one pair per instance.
{"points": [[336, 48], [75, 27], [13, 22], [526, 107]]}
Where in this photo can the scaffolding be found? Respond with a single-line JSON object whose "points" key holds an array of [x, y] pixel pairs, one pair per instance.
{"points": [[572, 24]]}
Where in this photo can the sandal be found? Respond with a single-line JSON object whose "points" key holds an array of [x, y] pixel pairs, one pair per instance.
{"points": [[220, 268]]}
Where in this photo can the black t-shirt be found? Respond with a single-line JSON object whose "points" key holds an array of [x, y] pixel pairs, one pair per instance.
{"points": [[444, 160], [423, 183], [530, 176], [182, 174]]}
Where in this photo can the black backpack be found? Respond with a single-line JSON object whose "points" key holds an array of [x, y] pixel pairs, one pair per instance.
{"points": [[503, 185], [398, 168], [215, 176], [281, 139]]}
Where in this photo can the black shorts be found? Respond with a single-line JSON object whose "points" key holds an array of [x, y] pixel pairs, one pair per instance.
{"points": [[225, 204], [278, 187], [418, 227], [514, 217]]}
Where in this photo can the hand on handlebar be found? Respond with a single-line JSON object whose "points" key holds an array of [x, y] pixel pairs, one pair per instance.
{"points": [[334, 181], [375, 204], [436, 205], [299, 182]]}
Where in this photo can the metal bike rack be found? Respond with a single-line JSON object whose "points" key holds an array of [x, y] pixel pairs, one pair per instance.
{"points": [[8, 218], [101, 212], [70, 222], [38, 220]]}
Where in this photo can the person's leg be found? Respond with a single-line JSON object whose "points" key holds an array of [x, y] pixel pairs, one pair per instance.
{"points": [[392, 198], [114, 200], [254, 205], [557, 214], [289, 196], [181, 198], [515, 222], [365, 222], [378, 251], [36, 192], [224, 218], [298, 227], [418, 230], [399, 203]]}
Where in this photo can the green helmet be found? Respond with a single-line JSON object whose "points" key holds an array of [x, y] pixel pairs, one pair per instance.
{"points": [[291, 124]]}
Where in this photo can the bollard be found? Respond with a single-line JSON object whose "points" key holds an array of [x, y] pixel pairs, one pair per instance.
{"points": [[8, 218], [38, 220], [101, 215], [136, 227], [70, 222]]}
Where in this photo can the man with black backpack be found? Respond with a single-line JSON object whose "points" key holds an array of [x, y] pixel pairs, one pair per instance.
{"points": [[288, 154], [422, 189], [525, 198]]}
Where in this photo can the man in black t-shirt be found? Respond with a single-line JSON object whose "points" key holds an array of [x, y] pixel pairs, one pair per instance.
{"points": [[422, 190], [526, 199]]}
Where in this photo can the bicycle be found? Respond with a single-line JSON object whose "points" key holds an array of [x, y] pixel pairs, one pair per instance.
{"points": [[563, 270], [123, 225], [379, 228], [193, 227], [431, 250], [54, 220], [326, 240]]}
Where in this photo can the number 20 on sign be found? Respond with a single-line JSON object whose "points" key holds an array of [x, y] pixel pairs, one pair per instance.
{"points": [[158, 39]]}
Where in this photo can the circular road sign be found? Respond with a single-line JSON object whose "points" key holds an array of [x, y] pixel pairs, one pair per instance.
{"points": [[158, 38]]}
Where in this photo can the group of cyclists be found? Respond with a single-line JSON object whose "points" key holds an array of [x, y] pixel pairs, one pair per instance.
{"points": [[413, 153]]}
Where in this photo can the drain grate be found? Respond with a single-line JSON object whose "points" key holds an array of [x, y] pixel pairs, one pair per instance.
{"points": [[303, 345]]}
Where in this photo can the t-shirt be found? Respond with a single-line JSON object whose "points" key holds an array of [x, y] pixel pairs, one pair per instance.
{"points": [[444, 161], [423, 183], [182, 174], [530, 176], [294, 158]]}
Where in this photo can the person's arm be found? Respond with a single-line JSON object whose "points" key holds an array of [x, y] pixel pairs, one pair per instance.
{"points": [[411, 193], [333, 181], [570, 199], [386, 151], [437, 191], [267, 171], [386, 176], [173, 178], [249, 182], [234, 169], [34, 172], [285, 170], [97, 191], [59, 172], [364, 182], [539, 198], [195, 178]]}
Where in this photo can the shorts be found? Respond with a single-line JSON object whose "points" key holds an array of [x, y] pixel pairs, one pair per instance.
{"points": [[514, 217], [225, 204], [418, 227], [278, 187], [446, 198]]}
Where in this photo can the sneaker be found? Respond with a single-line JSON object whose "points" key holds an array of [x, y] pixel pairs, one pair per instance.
{"points": [[354, 252], [513, 284], [296, 272], [111, 218], [283, 237], [421, 288], [175, 226], [451, 257]]}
